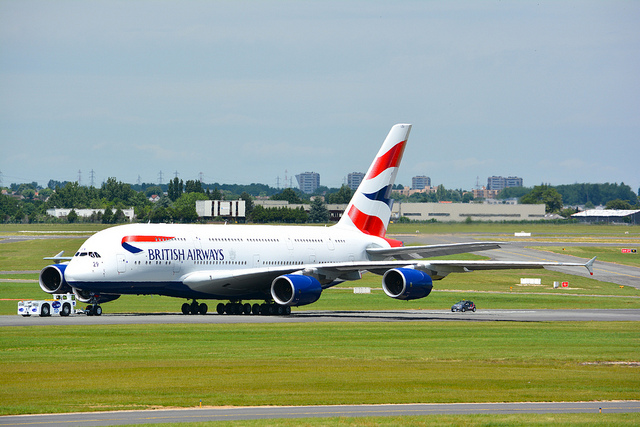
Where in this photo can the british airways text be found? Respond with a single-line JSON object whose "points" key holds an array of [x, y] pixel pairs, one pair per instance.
{"points": [[182, 254]]}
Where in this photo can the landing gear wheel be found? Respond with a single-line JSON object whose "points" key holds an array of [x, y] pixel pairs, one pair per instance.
{"points": [[186, 308], [194, 307], [220, 308], [97, 310], [255, 309], [203, 309], [89, 310], [246, 309]]}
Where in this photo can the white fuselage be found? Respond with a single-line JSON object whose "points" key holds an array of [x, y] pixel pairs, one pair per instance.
{"points": [[203, 260]]}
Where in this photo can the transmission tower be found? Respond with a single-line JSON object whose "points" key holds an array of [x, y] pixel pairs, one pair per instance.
{"points": [[79, 178], [139, 180], [92, 178], [201, 177], [160, 178], [176, 174]]}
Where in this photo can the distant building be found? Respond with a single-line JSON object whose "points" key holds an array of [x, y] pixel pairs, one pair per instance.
{"points": [[86, 213], [221, 208], [500, 182], [459, 212], [609, 216], [308, 182], [354, 179], [483, 193], [420, 182]]}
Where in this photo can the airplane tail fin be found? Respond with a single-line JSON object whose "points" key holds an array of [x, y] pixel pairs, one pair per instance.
{"points": [[370, 207]]}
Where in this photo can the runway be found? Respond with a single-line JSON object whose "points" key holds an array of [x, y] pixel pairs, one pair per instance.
{"points": [[274, 412], [601, 315]]}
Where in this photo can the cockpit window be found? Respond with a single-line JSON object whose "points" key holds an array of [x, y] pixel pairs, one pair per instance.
{"points": [[91, 254]]}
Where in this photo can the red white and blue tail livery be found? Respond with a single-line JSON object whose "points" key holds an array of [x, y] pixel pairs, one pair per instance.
{"points": [[275, 267], [370, 208]]}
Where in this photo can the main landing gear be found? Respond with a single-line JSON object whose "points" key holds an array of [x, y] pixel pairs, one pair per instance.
{"points": [[266, 309], [238, 308], [194, 308]]}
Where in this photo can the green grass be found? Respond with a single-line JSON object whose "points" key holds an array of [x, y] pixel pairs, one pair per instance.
{"points": [[604, 253], [141, 366], [629, 419], [29, 254], [613, 231]]}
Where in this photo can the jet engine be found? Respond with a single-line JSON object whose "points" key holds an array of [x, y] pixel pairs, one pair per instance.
{"points": [[85, 296], [295, 289], [52, 279], [406, 283]]}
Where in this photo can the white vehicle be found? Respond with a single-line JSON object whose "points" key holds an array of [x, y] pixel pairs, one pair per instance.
{"points": [[60, 305]]}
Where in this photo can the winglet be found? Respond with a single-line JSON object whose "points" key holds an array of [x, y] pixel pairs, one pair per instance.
{"points": [[589, 265]]}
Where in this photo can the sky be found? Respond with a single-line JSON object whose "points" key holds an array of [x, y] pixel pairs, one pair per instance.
{"points": [[253, 91]]}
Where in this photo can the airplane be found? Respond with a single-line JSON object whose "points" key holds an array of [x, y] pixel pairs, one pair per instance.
{"points": [[284, 266]]}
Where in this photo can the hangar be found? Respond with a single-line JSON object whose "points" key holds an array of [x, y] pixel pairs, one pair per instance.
{"points": [[610, 216], [458, 212]]}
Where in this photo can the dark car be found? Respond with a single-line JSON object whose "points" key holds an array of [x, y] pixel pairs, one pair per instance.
{"points": [[463, 306]]}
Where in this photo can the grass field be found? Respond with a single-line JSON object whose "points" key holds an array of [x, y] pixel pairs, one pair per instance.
{"points": [[441, 420], [141, 366], [145, 366]]}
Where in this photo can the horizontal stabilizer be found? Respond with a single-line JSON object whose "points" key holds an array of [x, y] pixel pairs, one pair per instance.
{"points": [[59, 257]]}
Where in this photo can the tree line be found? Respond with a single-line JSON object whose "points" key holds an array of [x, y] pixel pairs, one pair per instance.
{"points": [[29, 202]]}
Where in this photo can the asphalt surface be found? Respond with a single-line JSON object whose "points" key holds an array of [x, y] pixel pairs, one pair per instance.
{"points": [[274, 412], [335, 316]]}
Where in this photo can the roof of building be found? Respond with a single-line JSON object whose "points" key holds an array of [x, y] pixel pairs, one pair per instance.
{"points": [[606, 212]]}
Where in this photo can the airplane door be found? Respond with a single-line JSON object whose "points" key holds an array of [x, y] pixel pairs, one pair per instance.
{"points": [[122, 263], [330, 244]]}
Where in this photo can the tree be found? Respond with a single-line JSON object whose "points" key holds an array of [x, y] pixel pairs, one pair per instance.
{"points": [[618, 204], [289, 195], [193, 186], [343, 196], [544, 194], [107, 217], [318, 212], [73, 216]]}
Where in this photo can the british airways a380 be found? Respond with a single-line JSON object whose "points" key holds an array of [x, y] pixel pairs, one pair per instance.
{"points": [[275, 267]]}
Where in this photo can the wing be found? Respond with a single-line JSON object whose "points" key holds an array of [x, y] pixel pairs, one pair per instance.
{"points": [[258, 280], [438, 269], [418, 252]]}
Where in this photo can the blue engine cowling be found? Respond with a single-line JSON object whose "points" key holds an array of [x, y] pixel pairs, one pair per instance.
{"points": [[295, 290], [406, 283], [52, 279]]}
